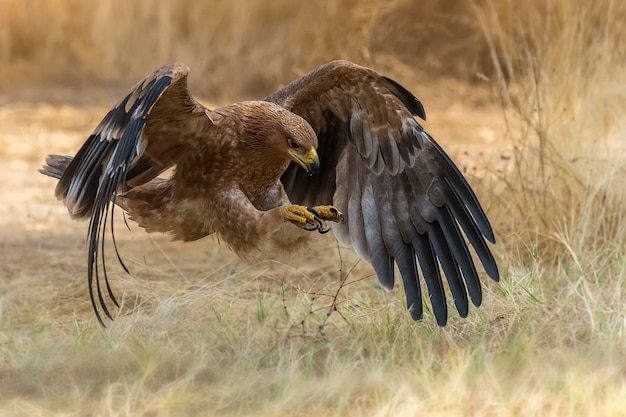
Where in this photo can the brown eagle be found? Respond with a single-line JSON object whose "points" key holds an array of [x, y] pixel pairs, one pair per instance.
{"points": [[250, 172]]}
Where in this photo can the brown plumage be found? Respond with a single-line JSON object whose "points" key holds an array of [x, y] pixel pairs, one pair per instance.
{"points": [[248, 171]]}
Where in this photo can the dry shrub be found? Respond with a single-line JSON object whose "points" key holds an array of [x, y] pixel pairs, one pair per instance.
{"points": [[259, 44], [560, 72]]}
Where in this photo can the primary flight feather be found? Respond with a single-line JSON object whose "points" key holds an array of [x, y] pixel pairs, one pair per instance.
{"points": [[340, 144]]}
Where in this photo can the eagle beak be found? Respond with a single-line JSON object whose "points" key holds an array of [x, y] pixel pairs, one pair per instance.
{"points": [[310, 162]]}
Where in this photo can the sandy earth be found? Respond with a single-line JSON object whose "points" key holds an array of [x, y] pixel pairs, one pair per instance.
{"points": [[42, 252]]}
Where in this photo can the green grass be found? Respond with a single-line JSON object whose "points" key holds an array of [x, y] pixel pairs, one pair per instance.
{"points": [[548, 341], [548, 345]]}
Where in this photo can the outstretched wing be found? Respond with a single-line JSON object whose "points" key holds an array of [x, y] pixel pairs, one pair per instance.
{"points": [[140, 137], [404, 199]]}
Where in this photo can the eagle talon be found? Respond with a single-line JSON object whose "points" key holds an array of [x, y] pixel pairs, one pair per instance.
{"points": [[312, 218], [323, 230], [302, 217], [314, 211], [316, 217], [310, 226], [328, 213]]}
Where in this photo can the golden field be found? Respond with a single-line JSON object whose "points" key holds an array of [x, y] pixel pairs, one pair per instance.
{"points": [[529, 100]]}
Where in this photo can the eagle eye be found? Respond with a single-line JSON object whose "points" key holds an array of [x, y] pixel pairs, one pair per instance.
{"points": [[293, 144]]}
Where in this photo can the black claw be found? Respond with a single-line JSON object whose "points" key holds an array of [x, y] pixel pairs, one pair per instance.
{"points": [[338, 214], [322, 230], [316, 217], [319, 222], [310, 226], [312, 210]]}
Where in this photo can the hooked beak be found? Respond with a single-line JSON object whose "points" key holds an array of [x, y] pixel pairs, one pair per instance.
{"points": [[310, 162]]}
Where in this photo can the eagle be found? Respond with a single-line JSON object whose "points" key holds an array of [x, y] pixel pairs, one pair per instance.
{"points": [[340, 145]]}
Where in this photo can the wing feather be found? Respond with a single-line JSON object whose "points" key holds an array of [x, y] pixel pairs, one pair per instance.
{"points": [[451, 269], [458, 182], [405, 201], [373, 230], [137, 139], [462, 215], [356, 221], [427, 259]]}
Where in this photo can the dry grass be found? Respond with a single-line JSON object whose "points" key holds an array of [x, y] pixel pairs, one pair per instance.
{"points": [[261, 45], [564, 111], [202, 333]]}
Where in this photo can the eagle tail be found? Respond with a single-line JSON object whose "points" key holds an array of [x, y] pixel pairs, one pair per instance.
{"points": [[55, 165]]}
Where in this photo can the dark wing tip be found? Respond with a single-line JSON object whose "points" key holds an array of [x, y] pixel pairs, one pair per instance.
{"points": [[89, 182], [466, 194], [406, 97], [333, 117]]}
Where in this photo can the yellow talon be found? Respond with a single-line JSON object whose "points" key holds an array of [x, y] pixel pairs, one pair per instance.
{"points": [[299, 216], [311, 218], [330, 213]]}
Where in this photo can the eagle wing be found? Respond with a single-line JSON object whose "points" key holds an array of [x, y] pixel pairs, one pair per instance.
{"points": [[404, 199], [141, 136]]}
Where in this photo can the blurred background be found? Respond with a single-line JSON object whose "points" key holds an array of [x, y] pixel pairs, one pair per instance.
{"points": [[524, 89], [528, 98], [240, 48]]}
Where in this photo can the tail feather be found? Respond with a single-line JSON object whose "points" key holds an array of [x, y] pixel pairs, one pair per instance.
{"points": [[55, 165]]}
